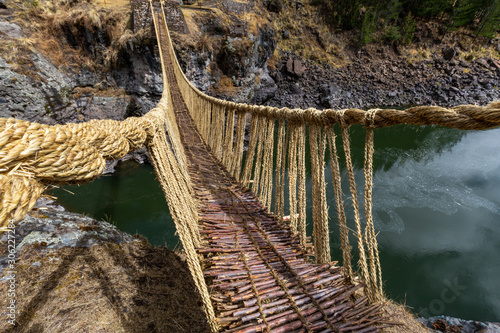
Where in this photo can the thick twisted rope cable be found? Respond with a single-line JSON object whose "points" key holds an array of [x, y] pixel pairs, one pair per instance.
{"points": [[33, 155], [469, 117], [179, 199]]}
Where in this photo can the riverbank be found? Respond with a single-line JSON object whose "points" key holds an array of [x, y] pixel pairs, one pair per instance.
{"points": [[76, 274]]}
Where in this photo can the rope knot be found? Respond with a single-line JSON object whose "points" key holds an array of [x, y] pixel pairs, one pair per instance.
{"points": [[340, 115], [370, 118]]}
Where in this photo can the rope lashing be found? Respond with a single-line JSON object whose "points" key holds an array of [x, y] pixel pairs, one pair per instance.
{"points": [[35, 155]]}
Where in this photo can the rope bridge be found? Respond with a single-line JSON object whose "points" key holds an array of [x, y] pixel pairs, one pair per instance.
{"points": [[220, 192]]}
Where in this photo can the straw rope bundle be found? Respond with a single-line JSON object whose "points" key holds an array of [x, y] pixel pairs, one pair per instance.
{"points": [[34, 155]]}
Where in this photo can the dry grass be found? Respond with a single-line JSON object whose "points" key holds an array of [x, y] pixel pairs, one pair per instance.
{"points": [[192, 18], [115, 4], [16, 52], [79, 92], [131, 287], [256, 22], [415, 55], [48, 24], [273, 61], [479, 51], [308, 36], [225, 86], [402, 315]]}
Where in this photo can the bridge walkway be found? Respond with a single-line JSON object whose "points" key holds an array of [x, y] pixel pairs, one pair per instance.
{"points": [[261, 279]]}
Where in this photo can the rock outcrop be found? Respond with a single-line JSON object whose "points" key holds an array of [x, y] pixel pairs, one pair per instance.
{"points": [[33, 88], [447, 324], [386, 82]]}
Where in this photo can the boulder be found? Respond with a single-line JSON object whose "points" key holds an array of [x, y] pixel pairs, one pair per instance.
{"points": [[298, 67], [289, 65], [449, 53], [11, 29], [295, 67]]}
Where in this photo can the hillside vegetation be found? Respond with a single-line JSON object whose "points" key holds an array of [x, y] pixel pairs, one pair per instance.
{"points": [[394, 20], [73, 34], [330, 32]]}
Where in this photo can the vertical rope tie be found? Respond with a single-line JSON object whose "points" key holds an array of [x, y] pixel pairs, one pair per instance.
{"points": [[221, 125], [362, 262], [279, 174], [258, 165], [320, 208], [249, 162], [266, 180], [228, 149], [301, 168], [292, 175], [370, 236], [207, 113], [240, 140], [342, 220]]}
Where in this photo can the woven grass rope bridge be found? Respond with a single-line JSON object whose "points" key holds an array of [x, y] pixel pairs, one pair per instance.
{"points": [[253, 270]]}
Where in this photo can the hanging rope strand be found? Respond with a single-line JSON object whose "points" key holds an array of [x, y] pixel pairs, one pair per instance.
{"points": [[342, 220], [362, 262], [370, 237]]}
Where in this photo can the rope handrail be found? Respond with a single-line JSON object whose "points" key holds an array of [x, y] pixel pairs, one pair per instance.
{"points": [[466, 117], [216, 120]]}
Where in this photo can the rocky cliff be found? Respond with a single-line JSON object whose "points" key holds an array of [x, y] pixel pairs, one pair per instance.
{"points": [[64, 66]]}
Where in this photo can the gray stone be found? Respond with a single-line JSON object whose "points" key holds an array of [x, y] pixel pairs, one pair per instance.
{"points": [[2, 4], [49, 227], [495, 64], [295, 67], [298, 67], [450, 324], [483, 62], [266, 89], [11, 29]]}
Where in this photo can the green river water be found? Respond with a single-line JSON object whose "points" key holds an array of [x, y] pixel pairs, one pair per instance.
{"points": [[436, 208]]}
